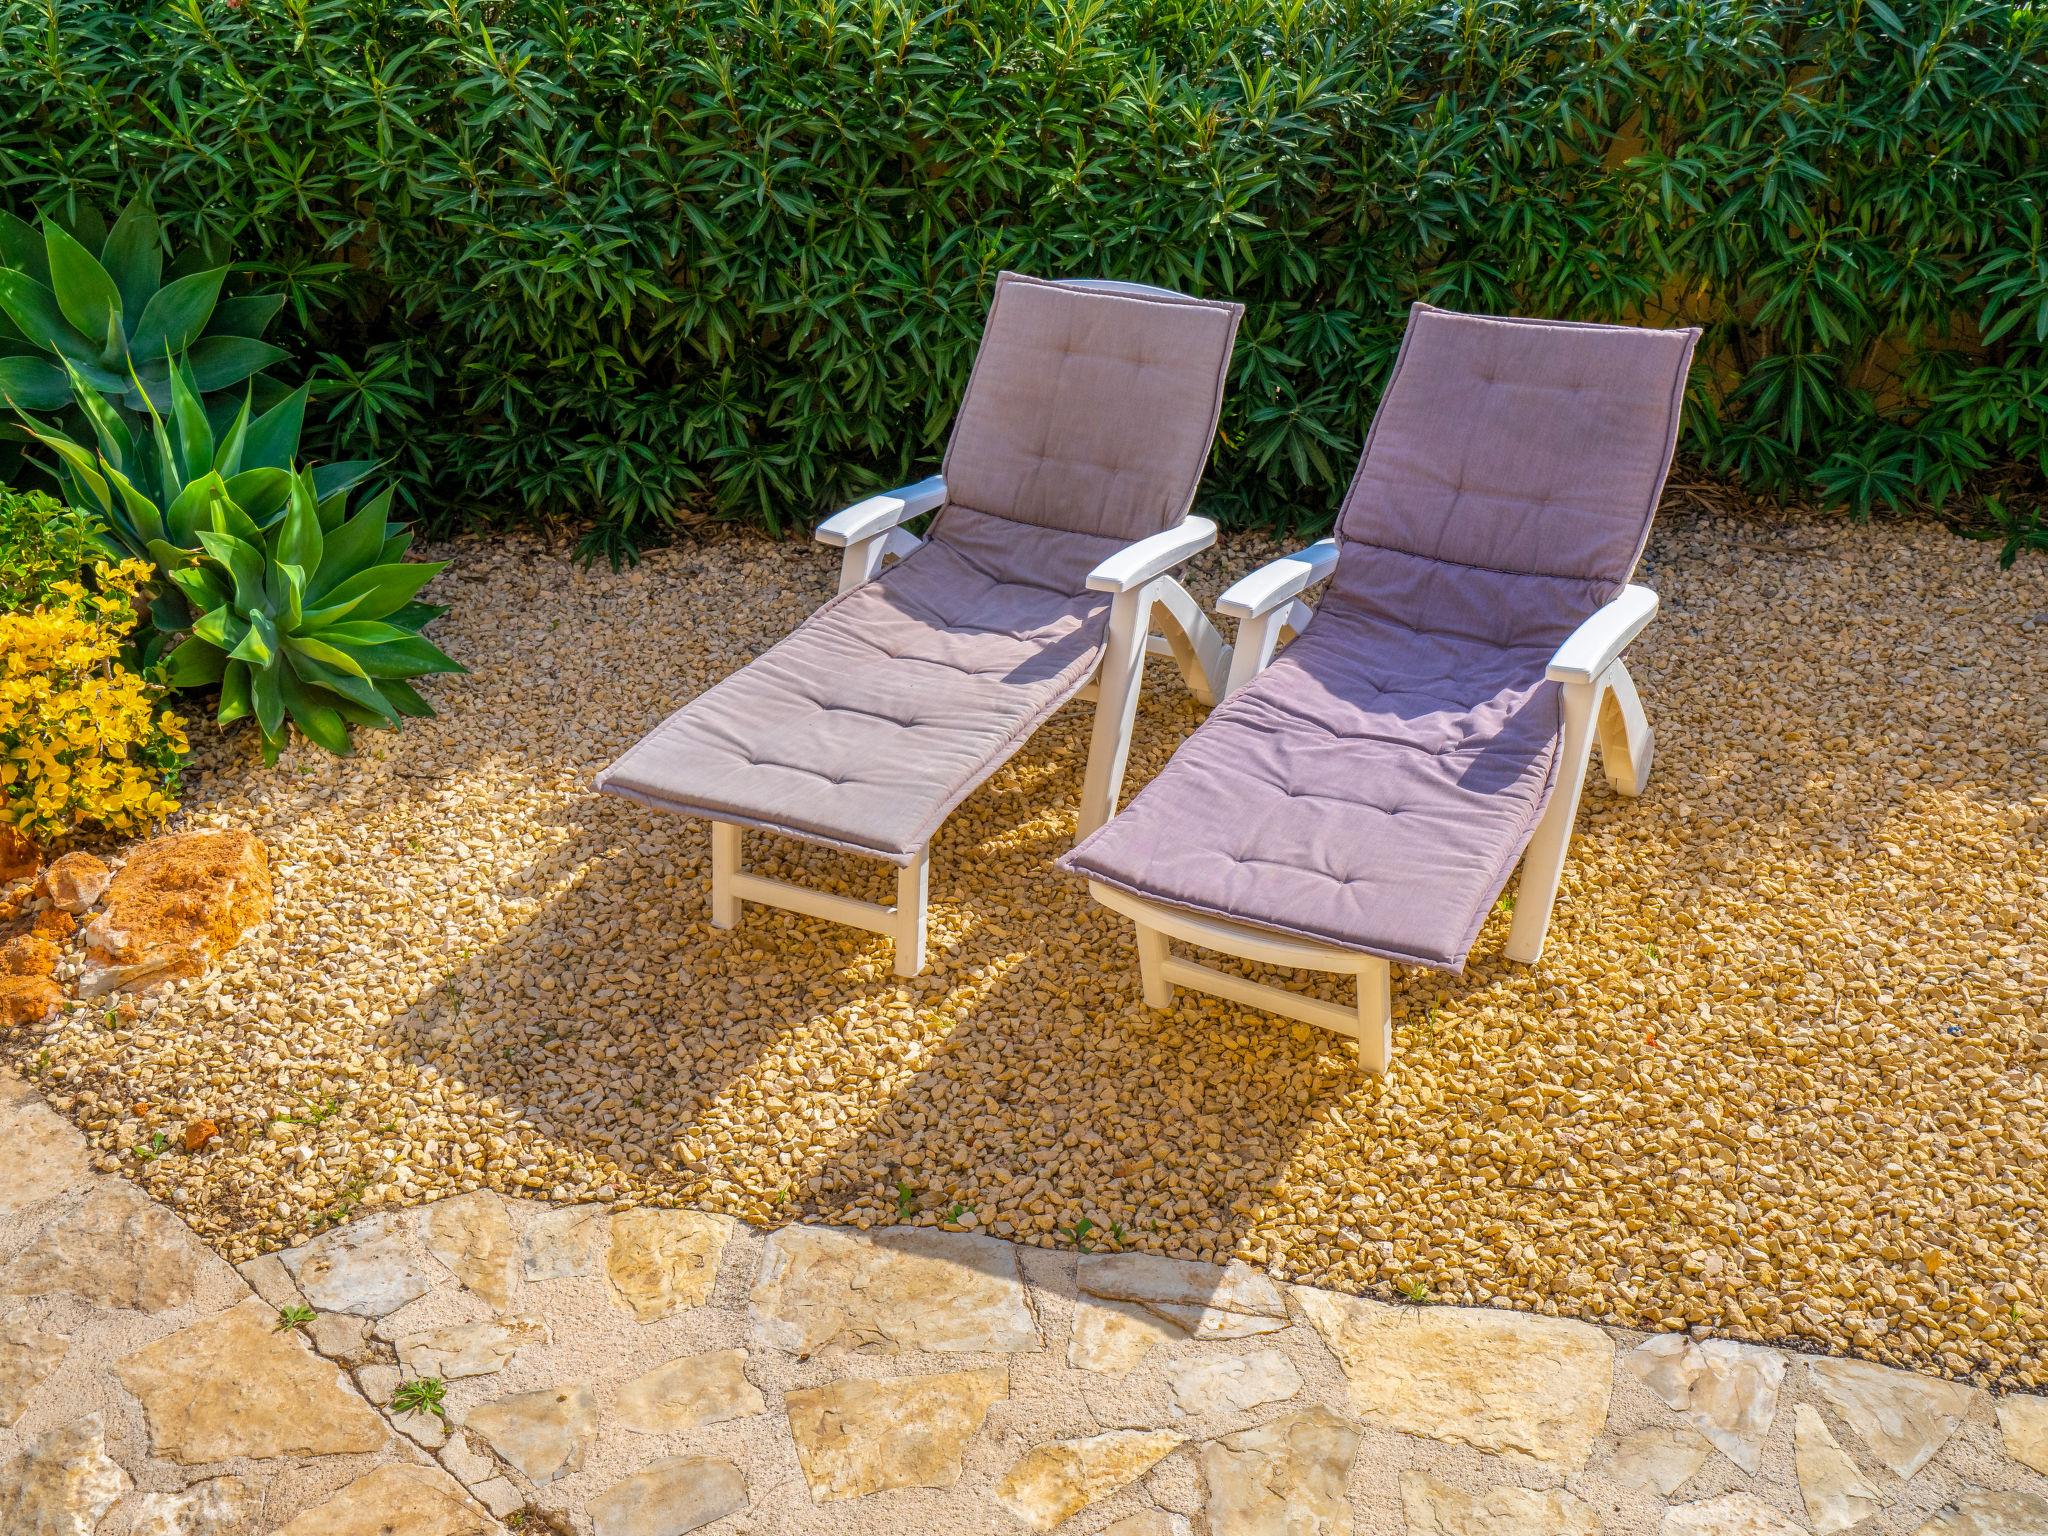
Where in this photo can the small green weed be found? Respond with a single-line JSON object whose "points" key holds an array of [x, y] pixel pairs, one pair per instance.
{"points": [[1415, 1288], [423, 1394], [342, 1208], [294, 1316], [319, 1115], [906, 1200], [1079, 1232], [152, 1149]]}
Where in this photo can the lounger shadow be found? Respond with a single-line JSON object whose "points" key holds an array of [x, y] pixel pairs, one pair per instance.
{"points": [[1061, 515], [1363, 798]]}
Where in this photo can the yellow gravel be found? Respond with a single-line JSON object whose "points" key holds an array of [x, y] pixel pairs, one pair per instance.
{"points": [[1783, 1072]]}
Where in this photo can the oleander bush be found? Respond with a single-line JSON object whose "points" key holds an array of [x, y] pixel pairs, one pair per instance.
{"points": [[667, 259]]}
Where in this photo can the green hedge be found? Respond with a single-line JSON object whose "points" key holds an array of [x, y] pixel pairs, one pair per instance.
{"points": [[730, 257]]}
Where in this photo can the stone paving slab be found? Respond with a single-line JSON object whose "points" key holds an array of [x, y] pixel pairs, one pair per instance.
{"points": [[653, 1373]]}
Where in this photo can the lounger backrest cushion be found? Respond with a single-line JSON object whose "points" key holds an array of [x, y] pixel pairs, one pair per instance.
{"points": [[1535, 447], [1090, 409]]}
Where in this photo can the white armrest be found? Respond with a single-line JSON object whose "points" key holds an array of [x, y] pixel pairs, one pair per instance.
{"points": [[1136, 564], [880, 513], [1273, 583], [1594, 646]]}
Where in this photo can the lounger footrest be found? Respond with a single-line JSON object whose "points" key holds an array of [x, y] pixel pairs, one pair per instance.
{"points": [[1258, 994], [871, 915]]}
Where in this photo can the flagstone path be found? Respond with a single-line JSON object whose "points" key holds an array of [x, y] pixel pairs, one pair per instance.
{"points": [[651, 1373]]}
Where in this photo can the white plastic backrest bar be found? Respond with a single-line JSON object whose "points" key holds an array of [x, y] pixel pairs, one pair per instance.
{"points": [[1153, 556], [1276, 581], [881, 512], [1595, 645]]}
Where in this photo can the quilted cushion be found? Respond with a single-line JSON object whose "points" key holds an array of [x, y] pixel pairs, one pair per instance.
{"points": [[1371, 789], [1534, 446], [1090, 409], [886, 707], [1376, 785]]}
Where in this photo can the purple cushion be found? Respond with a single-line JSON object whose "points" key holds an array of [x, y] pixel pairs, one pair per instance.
{"points": [[884, 709], [1532, 446], [1090, 409], [1374, 787], [1370, 789]]}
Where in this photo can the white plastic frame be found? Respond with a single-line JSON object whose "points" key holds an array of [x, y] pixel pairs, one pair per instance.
{"points": [[1144, 590], [1599, 698]]}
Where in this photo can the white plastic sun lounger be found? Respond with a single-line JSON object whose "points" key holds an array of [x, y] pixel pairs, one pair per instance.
{"points": [[1363, 798], [1060, 517]]}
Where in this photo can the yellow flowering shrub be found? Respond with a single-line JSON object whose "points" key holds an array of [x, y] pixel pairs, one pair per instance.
{"points": [[83, 741]]}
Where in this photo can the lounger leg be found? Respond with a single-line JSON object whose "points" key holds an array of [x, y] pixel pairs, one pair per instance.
{"points": [[725, 863], [1375, 1015], [1626, 741], [913, 887], [1123, 670], [1199, 649], [1543, 863], [1152, 968]]}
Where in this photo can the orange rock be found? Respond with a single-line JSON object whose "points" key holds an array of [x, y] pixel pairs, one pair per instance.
{"points": [[28, 954], [52, 924], [199, 1133], [19, 858], [28, 1000], [28, 995], [176, 905], [74, 882]]}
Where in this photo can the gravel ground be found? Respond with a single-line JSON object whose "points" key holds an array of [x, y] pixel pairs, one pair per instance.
{"points": [[1782, 1074]]}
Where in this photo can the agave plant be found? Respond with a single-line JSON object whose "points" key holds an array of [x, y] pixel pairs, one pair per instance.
{"points": [[310, 623], [152, 487], [94, 303], [301, 613]]}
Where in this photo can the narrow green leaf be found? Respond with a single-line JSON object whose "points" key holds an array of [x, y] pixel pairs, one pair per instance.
{"points": [[194, 434], [298, 536], [328, 655]]}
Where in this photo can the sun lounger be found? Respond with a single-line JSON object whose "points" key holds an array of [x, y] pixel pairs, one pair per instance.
{"points": [[1363, 798], [1060, 516]]}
